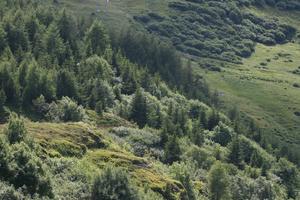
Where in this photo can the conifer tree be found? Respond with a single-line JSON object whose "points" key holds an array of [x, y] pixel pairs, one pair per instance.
{"points": [[213, 120], [235, 152], [32, 89], [139, 109], [8, 82], [66, 85], [218, 183], [172, 150], [197, 135], [97, 40], [54, 44]]}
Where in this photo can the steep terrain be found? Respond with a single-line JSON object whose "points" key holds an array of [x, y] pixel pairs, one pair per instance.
{"points": [[112, 101], [262, 80]]}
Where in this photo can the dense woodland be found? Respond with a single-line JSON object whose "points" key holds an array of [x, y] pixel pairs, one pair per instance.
{"points": [[59, 69]]}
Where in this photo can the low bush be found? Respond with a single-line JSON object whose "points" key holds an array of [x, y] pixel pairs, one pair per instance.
{"points": [[66, 110]]}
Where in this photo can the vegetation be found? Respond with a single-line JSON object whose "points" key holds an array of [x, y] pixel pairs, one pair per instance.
{"points": [[95, 115]]}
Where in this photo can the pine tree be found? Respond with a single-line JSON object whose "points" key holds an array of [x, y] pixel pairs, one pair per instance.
{"points": [[197, 136], [130, 83], [172, 150], [8, 82], [139, 109], [256, 160], [32, 88], [66, 85], [235, 156], [97, 40], [218, 183], [54, 44], [66, 27], [213, 120]]}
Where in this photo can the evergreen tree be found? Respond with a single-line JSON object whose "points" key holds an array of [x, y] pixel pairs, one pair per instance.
{"points": [[8, 83], [66, 85], [54, 45], [32, 88], [97, 40], [256, 159], [101, 92], [130, 83], [197, 135], [172, 150], [139, 109], [213, 120], [218, 183], [235, 152], [66, 27]]}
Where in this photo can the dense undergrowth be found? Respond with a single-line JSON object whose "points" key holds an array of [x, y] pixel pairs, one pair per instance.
{"points": [[118, 118]]}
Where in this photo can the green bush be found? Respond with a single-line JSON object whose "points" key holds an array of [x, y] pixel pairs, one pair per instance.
{"points": [[113, 184], [8, 192], [16, 131], [27, 170], [66, 110]]}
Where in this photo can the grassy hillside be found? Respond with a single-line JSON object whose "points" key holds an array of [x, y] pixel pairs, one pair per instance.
{"points": [[88, 112], [94, 148], [264, 86]]}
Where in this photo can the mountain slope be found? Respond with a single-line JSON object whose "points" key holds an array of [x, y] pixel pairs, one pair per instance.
{"points": [[91, 113], [223, 37]]}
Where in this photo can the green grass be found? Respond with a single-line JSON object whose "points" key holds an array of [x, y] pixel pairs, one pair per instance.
{"points": [[119, 13], [263, 86], [265, 91]]}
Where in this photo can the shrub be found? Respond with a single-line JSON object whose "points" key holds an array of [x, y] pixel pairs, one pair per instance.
{"points": [[16, 131], [27, 170], [142, 141], [113, 184], [222, 134], [9, 192], [66, 110], [40, 105]]}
